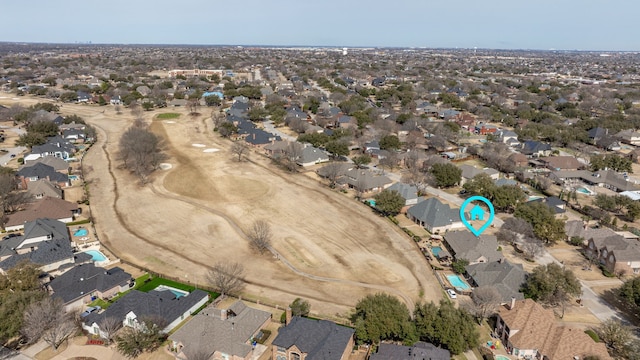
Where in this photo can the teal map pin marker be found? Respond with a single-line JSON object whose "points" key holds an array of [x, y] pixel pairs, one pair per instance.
{"points": [[477, 213]]}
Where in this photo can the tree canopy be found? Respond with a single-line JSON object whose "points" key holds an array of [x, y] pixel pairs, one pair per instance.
{"points": [[630, 291], [444, 325], [18, 289], [503, 198], [545, 225], [446, 175], [389, 202], [552, 284], [389, 142], [382, 317]]}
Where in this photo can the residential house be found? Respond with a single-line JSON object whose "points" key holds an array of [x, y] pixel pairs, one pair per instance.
{"points": [[419, 350], [220, 333], [508, 137], [55, 146], [364, 180], [616, 253], [528, 331], [116, 100], [38, 190], [505, 182], [609, 142], [58, 164], [557, 163], [43, 115], [435, 216], [629, 136], [533, 148], [136, 305], [597, 133], [465, 245], [557, 205], [45, 242], [309, 339], [604, 178], [408, 192], [505, 277], [486, 129], [84, 283], [469, 172], [580, 229], [310, 155], [74, 136], [518, 160], [41, 171], [49, 207]]}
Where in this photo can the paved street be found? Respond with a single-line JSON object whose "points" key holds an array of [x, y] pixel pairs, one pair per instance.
{"points": [[268, 127]]}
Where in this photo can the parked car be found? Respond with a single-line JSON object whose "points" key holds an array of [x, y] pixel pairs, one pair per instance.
{"points": [[89, 310], [452, 294]]}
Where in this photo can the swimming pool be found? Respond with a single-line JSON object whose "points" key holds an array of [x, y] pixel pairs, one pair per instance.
{"points": [[96, 255], [73, 177], [584, 191], [436, 250], [177, 292], [81, 232], [457, 282], [501, 357], [533, 197]]}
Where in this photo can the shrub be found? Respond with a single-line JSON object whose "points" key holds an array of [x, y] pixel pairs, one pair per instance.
{"points": [[592, 334]]}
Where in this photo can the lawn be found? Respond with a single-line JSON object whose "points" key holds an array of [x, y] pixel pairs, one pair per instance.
{"points": [[155, 282], [167, 116]]}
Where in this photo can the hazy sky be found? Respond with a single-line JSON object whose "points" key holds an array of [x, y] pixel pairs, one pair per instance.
{"points": [[504, 24]]}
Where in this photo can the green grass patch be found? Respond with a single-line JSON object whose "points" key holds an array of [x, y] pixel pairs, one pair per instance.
{"points": [[592, 334], [79, 222], [167, 116], [155, 282], [99, 302]]}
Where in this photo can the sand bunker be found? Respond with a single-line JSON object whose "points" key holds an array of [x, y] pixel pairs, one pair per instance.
{"points": [[170, 122], [165, 166], [210, 150], [198, 145]]}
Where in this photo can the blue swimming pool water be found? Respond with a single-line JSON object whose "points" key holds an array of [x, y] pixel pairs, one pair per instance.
{"points": [[457, 282], [501, 357], [436, 250], [96, 255], [584, 191], [73, 177], [178, 294], [81, 232]]}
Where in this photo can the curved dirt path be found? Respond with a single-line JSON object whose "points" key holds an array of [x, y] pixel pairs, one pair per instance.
{"points": [[103, 139]]}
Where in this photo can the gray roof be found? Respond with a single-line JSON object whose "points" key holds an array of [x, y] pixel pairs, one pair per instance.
{"points": [[42, 188], [419, 351], [42, 171], [47, 252], [434, 213], [154, 303], [507, 278], [311, 154], [46, 227], [607, 177], [465, 245], [469, 172], [55, 162], [408, 192], [85, 279], [320, 339], [207, 332], [505, 182]]}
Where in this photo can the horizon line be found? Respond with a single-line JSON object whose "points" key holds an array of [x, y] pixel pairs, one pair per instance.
{"points": [[90, 43]]}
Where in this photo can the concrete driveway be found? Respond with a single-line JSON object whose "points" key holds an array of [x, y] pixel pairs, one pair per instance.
{"points": [[270, 128]]}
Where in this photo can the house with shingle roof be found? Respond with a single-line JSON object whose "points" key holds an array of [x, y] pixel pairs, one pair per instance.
{"points": [[556, 163], [408, 192], [135, 306], [41, 171], [616, 253], [465, 245], [220, 333], [605, 178], [435, 216], [533, 148], [528, 330], [45, 242], [56, 163], [84, 283], [419, 350], [310, 339], [504, 276], [42, 188], [629, 136], [49, 207], [469, 172]]}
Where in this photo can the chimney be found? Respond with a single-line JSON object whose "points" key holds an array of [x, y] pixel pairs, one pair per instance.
{"points": [[513, 303], [287, 317], [223, 314]]}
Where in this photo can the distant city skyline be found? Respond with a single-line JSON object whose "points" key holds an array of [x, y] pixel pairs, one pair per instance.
{"points": [[596, 25]]}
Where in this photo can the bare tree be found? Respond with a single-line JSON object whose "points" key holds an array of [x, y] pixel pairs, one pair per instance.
{"points": [[136, 111], [531, 247], [332, 171], [48, 321], [118, 109], [291, 154], [260, 235], [192, 107], [486, 300], [109, 327], [147, 336], [226, 277], [239, 148], [141, 151]]}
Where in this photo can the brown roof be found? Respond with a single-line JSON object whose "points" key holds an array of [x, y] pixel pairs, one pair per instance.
{"points": [[531, 321], [46, 208], [562, 162], [570, 343], [536, 328]]}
